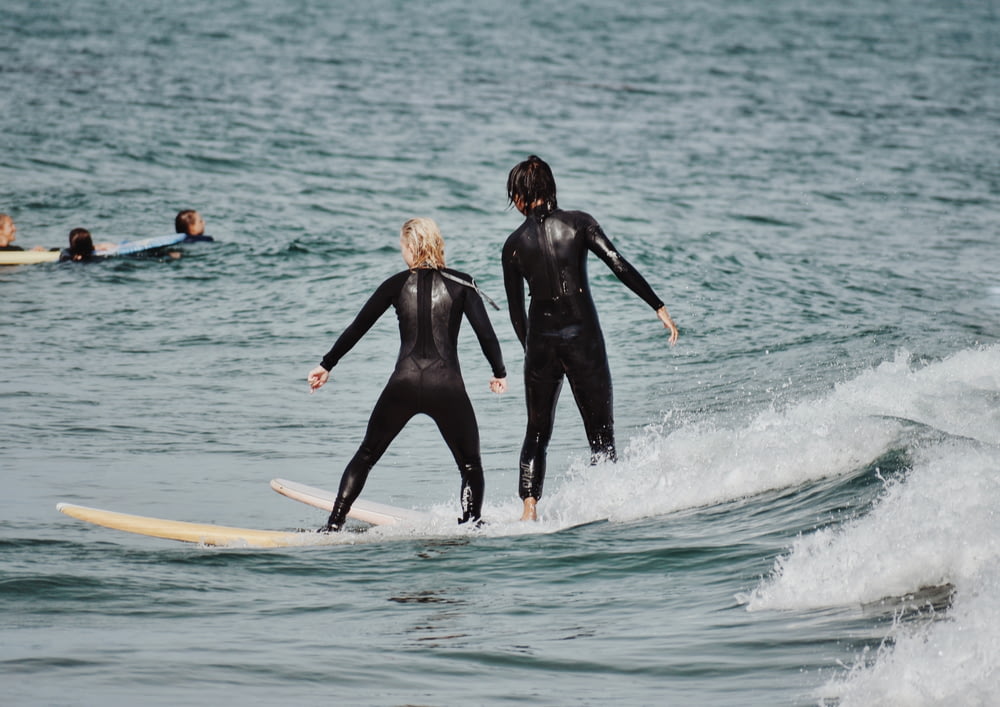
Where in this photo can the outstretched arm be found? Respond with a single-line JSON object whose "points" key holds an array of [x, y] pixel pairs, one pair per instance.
{"points": [[475, 312], [374, 308], [602, 247], [600, 244]]}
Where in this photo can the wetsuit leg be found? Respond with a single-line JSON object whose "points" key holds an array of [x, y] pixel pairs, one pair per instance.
{"points": [[543, 377], [590, 380], [452, 411], [392, 411]]}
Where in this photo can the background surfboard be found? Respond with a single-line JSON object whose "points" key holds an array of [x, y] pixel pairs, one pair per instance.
{"points": [[144, 244], [30, 257], [367, 511]]}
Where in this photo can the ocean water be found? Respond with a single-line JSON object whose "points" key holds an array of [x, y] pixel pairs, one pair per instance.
{"points": [[805, 512]]}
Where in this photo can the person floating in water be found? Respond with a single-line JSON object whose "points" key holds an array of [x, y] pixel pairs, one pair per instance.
{"points": [[560, 332], [430, 301], [81, 246], [190, 223], [8, 231]]}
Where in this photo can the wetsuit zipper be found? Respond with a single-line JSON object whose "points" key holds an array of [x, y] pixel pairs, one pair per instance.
{"points": [[550, 259], [424, 323]]}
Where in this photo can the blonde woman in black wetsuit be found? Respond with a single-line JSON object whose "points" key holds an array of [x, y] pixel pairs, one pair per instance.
{"points": [[430, 302], [560, 332]]}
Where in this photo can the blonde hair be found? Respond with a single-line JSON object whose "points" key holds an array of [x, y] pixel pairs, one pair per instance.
{"points": [[423, 237]]}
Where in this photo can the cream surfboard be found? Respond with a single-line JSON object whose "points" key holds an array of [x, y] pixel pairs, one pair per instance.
{"points": [[367, 511], [202, 533], [28, 257]]}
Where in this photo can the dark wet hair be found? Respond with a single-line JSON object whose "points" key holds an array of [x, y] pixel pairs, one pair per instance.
{"points": [[531, 181], [184, 220], [81, 245]]}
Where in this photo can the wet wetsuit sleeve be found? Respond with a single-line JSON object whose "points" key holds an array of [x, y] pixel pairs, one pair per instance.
{"points": [[601, 245], [475, 312], [374, 308], [513, 281]]}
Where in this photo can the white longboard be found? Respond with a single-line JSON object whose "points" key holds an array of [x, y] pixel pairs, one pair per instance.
{"points": [[202, 533], [28, 257], [367, 511]]}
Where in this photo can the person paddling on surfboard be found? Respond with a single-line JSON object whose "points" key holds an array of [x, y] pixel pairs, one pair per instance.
{"points": [[430, 301], [560, 332]]}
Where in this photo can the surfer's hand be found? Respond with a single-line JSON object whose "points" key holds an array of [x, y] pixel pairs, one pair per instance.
{"points": [[668, 323], [498, 385], [317, 377]]}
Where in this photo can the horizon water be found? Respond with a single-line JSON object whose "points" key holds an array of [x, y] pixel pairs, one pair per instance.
{"points": [[804, 512]]}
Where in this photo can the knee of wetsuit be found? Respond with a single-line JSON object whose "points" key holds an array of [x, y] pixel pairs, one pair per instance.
{"points": [[366, 456], [471, 470]]}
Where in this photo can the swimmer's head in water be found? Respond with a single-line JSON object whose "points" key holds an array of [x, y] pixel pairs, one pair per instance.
{"points": [[81, 245], [530, 184], [422, 244], [190, 222], [7, 230]]}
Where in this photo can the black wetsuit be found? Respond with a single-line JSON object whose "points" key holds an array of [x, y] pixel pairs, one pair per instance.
{"points": [[560, 333], [66, 255], [427, 378]]}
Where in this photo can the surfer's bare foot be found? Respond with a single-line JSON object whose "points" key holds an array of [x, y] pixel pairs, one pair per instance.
{"points": [[529, 509]]}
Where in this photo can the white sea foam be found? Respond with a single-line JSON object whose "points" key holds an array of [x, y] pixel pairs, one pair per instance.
{"points": [[947, 662], [937, 525], [706, 463], [933, 526]]}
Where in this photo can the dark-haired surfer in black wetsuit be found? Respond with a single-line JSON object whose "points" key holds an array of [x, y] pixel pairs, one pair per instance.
{"points": [[430, 302], [560, 332]]}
